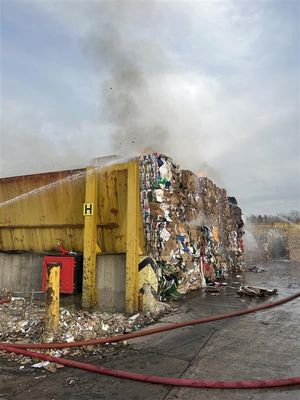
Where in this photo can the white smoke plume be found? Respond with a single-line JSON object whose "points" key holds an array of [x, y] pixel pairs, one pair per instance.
{"points": [[148, 103]]}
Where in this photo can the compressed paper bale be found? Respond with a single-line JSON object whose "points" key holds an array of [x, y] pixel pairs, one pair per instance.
{"points": [[209, 271], [166, 258], [191, 214], [170, 245], [200, 203], [167, 196], [194, 234], [175, 200], [184, 178], [181, 228], [155, 209], [189, 265], [189, 181], [175, 218], [171, 228], [189, 202], [202, 186]]}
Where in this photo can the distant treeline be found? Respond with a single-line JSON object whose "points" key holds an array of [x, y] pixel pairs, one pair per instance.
{"points": [[292, 216]]}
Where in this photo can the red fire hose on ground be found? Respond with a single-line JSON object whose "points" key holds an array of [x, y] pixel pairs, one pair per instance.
{"points": [[152, 331], [196, 383], [251, 384]]}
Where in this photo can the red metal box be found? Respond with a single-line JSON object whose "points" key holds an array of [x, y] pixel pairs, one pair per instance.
{"points": [[66, 272]]}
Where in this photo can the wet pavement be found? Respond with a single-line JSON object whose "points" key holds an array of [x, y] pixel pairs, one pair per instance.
{"points": [[263, 345]]}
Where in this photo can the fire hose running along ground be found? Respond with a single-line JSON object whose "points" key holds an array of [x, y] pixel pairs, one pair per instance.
{"points": [[209, 384], [196, 383], [146, 332]]}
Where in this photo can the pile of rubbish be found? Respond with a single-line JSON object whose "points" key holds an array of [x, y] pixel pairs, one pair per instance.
{"points": [[24, 321], [193, 231]]}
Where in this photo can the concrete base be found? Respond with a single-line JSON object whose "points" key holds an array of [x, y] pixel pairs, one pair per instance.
{"points": [[21, 272], [110, 282]]}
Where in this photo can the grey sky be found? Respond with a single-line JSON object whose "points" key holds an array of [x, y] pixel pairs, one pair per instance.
{"points": [[215, 85]]}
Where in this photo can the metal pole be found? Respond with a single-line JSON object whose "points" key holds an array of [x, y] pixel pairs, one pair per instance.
{"points": [[90, 239], [52, 297], [132, 240]]}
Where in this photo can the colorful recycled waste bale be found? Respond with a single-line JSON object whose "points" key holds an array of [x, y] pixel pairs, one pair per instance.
{"points": [[191, 229]]}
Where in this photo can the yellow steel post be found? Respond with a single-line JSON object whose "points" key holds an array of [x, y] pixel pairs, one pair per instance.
{"points": [[147, 284], [132, 238], [52, 297], [90, 239]]}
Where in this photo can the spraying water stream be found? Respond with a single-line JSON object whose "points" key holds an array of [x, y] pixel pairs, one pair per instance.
{"points": [[104, 162], [41, 189]]}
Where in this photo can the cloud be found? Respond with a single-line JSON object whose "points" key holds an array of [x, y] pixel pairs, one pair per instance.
{"points": [[215, 85]]}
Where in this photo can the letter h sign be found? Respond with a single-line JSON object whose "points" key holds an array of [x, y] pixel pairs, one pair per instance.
{"points": [[88, 208]]}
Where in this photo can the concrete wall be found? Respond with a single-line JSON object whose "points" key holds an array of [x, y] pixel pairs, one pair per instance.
{"points": [[110, 282], [21, 272]]}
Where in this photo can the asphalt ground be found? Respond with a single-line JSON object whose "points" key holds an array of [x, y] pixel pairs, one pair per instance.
{"points": [[264, 345]]}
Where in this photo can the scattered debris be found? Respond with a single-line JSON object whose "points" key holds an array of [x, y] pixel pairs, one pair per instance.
{"points": [[255, 269], [72, 381], [212, 289], [255, 291], [47, 365], [74, 324], [41, 364]]}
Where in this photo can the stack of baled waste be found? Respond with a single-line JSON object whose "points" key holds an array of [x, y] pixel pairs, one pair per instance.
{"points": [[190, 228]]}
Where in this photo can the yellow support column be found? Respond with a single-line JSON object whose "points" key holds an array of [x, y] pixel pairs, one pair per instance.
{"points": [[52, 298], [132, 238], [90, 239], [148, 284]]}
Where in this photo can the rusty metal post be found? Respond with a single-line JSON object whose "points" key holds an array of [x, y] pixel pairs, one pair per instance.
{"points": [[52, 297], [132, 239], [90, 247]]}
